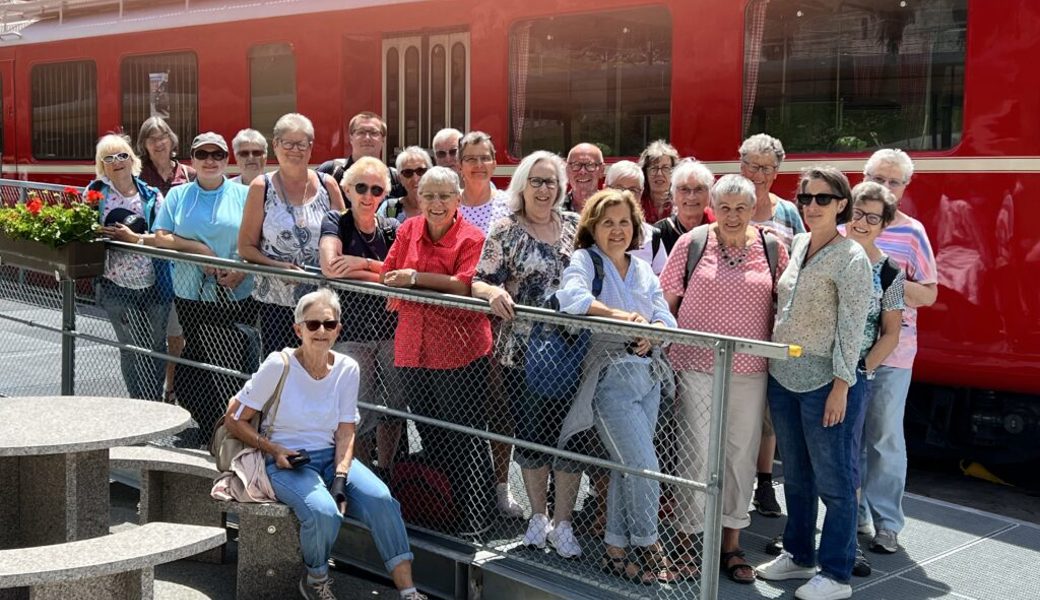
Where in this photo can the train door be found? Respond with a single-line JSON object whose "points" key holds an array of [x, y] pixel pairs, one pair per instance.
{"points": [[425, 87], [8, 165]]}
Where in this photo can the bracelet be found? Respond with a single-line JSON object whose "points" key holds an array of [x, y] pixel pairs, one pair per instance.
{"points": [[415, 278], [368, 264], [258, 438], [140, 240], [341, 474]]}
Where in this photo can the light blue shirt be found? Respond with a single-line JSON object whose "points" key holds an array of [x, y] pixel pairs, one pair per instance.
{"points": [[212, 217]]}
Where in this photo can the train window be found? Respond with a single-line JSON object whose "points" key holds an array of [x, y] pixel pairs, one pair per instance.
{"points": [[64, 110], [602, 77], [834, 76], [272, 85], [163, 85]]}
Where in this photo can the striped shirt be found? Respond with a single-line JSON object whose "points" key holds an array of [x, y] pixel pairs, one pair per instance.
{"points": [[786, 221], [906, 242]]}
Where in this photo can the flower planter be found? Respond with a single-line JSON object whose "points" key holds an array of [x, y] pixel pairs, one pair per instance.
{"points": [[74, 260]]}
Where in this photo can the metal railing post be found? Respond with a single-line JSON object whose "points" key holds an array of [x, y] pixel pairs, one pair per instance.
{"points": [[68, 336], [712, 543]]}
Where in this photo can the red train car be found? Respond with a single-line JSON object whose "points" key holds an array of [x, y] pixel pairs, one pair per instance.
{"points": [[947, 80]]}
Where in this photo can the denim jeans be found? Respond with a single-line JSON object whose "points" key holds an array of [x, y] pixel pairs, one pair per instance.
{"points": [[817, 466], [139, 319], [306, 490], [626, 405], [884, 450]]}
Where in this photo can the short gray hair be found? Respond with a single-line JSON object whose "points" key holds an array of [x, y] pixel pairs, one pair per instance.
{"points": [[320, 296], [518, 183], [733, 185], [762, 143], [688, 168], [475, 137], [868, 191], [892, 156], [413, 152], [445, 134], [248, 136], [441, 176], [293, 122], [624, 168]]}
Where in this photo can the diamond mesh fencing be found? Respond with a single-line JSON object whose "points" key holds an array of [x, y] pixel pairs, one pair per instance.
{"points": [[477, 425]]}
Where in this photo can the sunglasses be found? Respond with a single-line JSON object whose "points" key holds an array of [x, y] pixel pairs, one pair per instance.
{"points": [[314, 324], [821, 199], [446, 153], [409, 173], [112, 158], [217, 155], [872, 218], [364, 188], [250, 153]]}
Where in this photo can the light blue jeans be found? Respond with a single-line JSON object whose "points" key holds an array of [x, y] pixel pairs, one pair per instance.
{"points": [[139, 319], [883, 460], [626, 404], [306, 490]]}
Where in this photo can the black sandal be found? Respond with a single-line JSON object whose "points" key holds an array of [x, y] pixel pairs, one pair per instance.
{"points": [[732, 570], [657, 565]]}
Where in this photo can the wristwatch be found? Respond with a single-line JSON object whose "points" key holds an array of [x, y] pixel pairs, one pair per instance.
{"points": [[140, 240], [415, 278]]}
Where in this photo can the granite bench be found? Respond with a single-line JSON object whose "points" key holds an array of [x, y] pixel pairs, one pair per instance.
{"points": [[117, 566]]}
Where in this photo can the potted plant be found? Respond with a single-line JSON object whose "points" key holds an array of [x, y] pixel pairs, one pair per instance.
{"points": [[53, 232]]}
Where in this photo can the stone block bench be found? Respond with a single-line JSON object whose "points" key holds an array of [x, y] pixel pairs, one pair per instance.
{"points": [[269, 560], [117, 566]]}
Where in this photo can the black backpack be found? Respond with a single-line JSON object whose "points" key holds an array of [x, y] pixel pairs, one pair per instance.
{"points": [[699, 240]]}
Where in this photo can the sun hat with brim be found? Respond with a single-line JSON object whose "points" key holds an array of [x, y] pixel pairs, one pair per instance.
{"points": [[204, 139]]}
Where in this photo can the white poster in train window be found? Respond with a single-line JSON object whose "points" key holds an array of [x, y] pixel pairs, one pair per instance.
{"points": [[158, 96]]}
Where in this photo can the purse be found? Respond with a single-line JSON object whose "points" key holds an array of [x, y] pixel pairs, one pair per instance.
{"points": [[224, 446]]}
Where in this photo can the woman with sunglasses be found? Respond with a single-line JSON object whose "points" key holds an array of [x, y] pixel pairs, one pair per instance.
{"points": [[412, 164], [203, 217], [317, 414], [522, 263], [442, 354], [482, 203], [823, 301], [133, 290], [353, 245], [250, 148], [281, 225], [657, 162]]}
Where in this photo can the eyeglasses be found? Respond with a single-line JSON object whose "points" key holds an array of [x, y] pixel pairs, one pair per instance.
{"points": [[872, 218], [372, 133], [409, 173], [446, 153], [250, 153], [636, 191], [687, 190], [364, 188], [113, 158], [660, 170], [155, 139], [763, 169], [589, 167], [291, 145], [440, 196], [821, 199], [889, 183], [537, 182], [217, 155], [314, 324], [472, 160]]}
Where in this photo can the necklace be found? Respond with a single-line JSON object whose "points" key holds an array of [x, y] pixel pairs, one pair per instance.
{"points": [[368, 239], [809, 254], [733, 255]]}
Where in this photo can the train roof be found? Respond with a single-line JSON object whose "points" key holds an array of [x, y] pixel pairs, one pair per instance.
{"points": [[36, 21]]}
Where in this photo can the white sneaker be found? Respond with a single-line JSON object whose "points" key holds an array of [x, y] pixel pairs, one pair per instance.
{"points": [[822, 587], [562, 539], [538, 529], [865, 528], [507, 505], [783, 567]]}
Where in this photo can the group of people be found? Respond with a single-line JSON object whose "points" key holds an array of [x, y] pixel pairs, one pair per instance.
{"points": [[663, 243]]}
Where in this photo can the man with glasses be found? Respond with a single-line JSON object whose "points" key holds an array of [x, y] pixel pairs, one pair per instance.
{"points": [[585, 170], [446, 148], [367, 136], [250, 148]]}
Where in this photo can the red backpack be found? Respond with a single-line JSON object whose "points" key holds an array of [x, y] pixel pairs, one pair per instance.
{"points": [[424, 493]]}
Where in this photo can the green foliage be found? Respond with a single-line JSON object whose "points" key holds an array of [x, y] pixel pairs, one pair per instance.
{"points": [[52, 223]]}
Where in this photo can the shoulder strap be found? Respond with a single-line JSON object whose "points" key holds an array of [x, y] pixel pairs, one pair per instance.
{"points": [[698, 241], [346, 226], [772, 247], [597, 279], [387, 227], [655, 242], [275, 401], [889, 272]]}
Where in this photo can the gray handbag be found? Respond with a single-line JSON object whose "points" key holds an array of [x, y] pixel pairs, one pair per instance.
{"points": [[224, 446]]}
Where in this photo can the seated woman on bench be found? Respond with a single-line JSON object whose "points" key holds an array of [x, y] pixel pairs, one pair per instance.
{"points": [[317, 415]]}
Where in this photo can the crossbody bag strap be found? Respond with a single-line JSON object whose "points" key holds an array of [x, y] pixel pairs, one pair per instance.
{"points": [[276, 398]]}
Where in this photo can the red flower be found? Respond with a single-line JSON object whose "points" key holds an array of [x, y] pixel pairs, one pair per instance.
{"points": [[34, 206], [71, 190], [94, 196]]}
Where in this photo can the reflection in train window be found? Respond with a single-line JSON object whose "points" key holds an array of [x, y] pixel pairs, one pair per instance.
{"points": [[604, 78], [272, 85], [162, 85], [64, 110], [833, 76]]}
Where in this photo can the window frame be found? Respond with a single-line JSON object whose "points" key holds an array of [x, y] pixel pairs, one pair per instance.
{"points": [[184, 140], [296, 85], [94, 113]]}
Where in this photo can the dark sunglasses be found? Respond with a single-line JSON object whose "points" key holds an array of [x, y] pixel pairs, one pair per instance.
{"points": [[447, 153], [821, 199], [363, 188], [113, 158], [252, 153], [408, 173], [314, 324], [217, 155]]}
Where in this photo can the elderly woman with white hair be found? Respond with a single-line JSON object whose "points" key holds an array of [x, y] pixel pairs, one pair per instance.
{"points": [[625, 175], [905, 241], [446, 148], [281, 225], [691, 186], [412, 164], [310, 454], [522, 263], [721, 278], [250, 148]]}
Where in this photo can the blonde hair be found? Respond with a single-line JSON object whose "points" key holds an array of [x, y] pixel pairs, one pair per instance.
{"points": [[114, 143]]}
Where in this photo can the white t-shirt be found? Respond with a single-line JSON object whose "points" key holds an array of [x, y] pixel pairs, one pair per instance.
{"points": [[646, 251], [311, 409]]}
